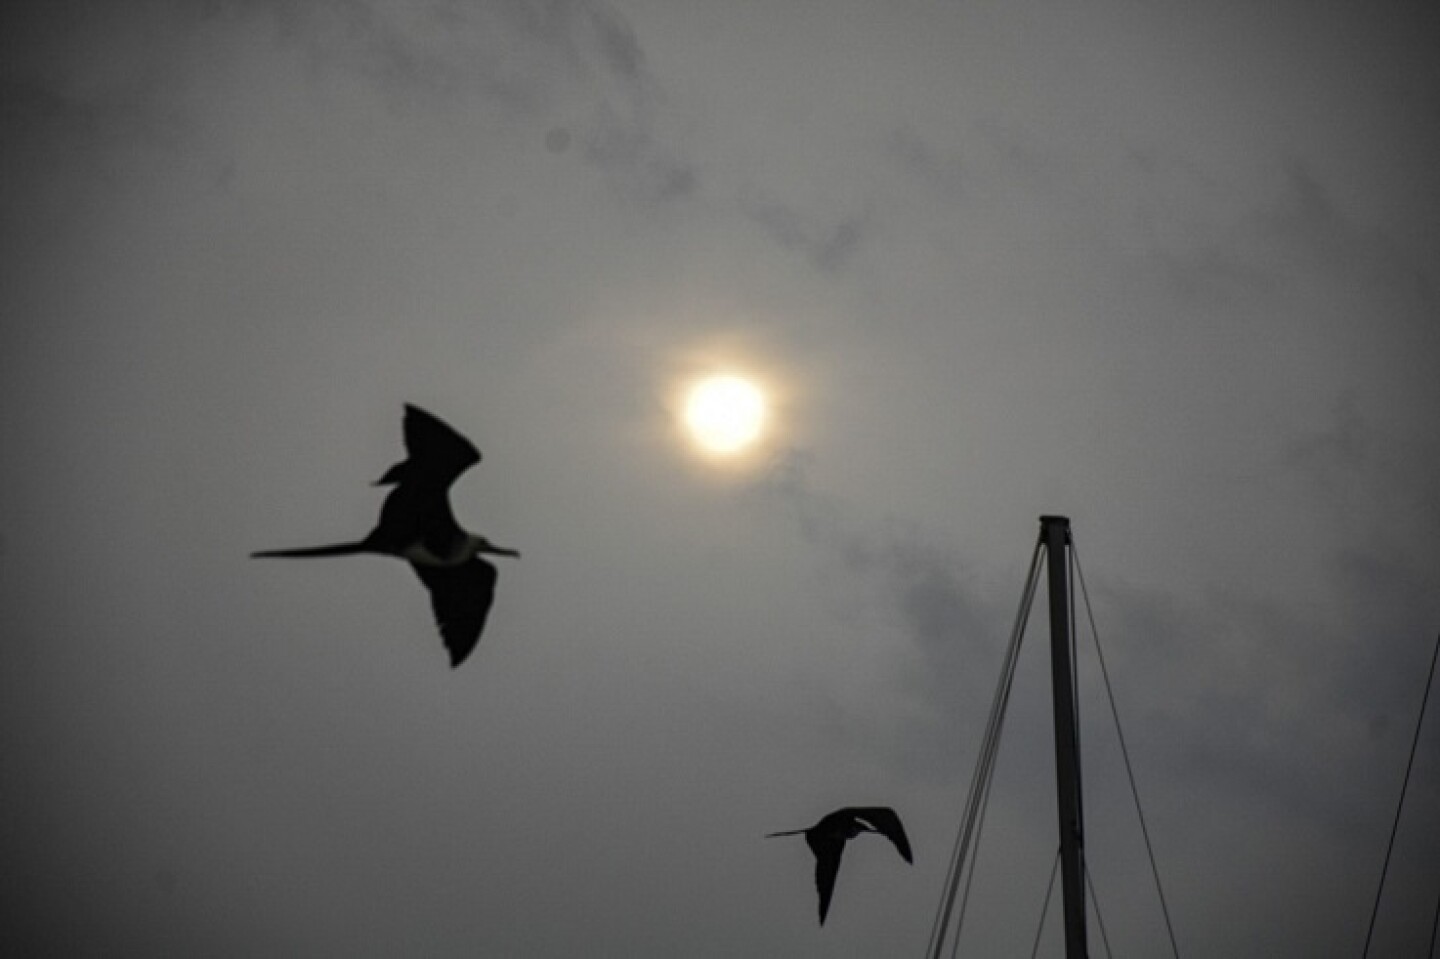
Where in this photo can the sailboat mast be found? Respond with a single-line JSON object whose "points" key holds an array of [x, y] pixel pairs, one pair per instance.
{"points": [[1055, 534]]}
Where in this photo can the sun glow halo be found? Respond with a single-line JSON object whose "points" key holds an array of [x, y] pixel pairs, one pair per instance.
{"points": [[725, 414]]}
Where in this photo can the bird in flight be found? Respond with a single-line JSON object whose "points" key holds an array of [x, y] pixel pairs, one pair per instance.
{"points": [[416, 524], [827, 840]]}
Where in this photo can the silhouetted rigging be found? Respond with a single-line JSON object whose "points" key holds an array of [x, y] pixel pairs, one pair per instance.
{"points": [[827, 840], [416, 524]]}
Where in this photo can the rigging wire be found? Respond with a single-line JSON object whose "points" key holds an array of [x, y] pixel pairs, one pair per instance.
{"points": [[1404, 786], [961, 869], [984, 766], [984, 763], [1045, 908], [973, 859], [1434, 928], [1099, 919], [974, 813], [1125, 752]]}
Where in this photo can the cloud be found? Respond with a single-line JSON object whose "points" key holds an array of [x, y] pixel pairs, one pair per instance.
{"points": [[828, 242], [919, 157], [1341, 447], [1243, 699], [918, 586], [1220, 240], [78, 89], [626, 150], [511, 66]]}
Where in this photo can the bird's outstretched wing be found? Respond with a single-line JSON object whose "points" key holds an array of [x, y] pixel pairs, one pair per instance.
{"points": [[461, 597], [886, 821], [827, 850], [437, 453]]}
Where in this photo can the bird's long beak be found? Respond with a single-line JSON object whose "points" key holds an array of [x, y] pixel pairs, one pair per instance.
{"points": [[500, 551], [788, 832]]}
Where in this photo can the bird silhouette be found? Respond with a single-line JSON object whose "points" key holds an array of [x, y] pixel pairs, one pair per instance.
{"points": [[416, 524], [827, 840]]}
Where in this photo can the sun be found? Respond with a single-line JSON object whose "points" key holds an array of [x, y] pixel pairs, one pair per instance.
{"points": [[725, 414]]}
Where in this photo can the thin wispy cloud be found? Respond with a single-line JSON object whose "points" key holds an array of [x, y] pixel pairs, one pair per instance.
{"points": [[827, 244]]}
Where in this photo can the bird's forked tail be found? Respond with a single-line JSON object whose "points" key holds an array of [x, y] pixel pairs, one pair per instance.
{"points": [[339, 549]]}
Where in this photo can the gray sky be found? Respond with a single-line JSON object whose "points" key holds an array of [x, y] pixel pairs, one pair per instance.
{"points": [[1170, 269]]}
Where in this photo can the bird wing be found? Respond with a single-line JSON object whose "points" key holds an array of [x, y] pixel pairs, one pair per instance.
{"points": [[437, 452], [461, 597], [827, 850], [886, 821]]}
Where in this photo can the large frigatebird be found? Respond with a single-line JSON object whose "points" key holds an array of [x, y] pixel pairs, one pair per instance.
{"points": [[827, 840], [416, 524]]}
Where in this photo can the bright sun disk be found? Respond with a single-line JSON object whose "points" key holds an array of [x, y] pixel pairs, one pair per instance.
{"points": [[725, 413]]}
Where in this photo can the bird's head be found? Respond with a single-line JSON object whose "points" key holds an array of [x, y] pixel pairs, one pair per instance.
{"points": [[480, 544]]}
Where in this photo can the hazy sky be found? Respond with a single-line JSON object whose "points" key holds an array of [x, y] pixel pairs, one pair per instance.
{"points": [[1171, 269]]}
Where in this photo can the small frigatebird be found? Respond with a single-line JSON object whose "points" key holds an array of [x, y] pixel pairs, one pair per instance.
{"points": [[827, 840], [416, 524]]}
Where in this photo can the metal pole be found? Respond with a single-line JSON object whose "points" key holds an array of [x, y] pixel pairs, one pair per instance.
{"points": [[1055, 534]]}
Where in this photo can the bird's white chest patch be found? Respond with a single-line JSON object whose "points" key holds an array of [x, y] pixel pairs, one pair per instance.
{"points": [[420, 555]]}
